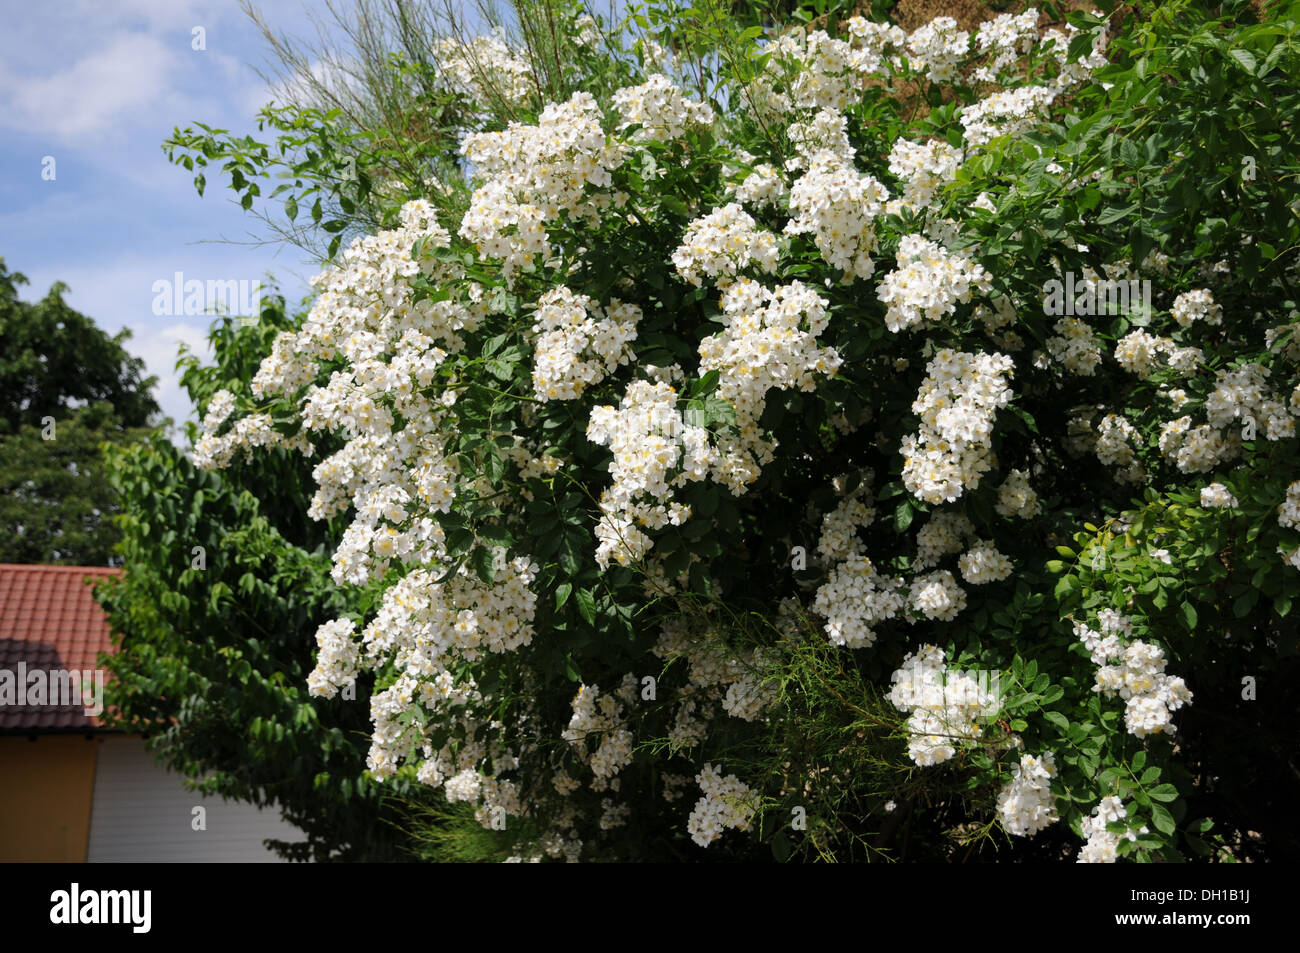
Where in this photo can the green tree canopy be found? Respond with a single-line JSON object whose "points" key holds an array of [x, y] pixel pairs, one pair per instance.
{"points": [[66, 387], [53, 359]]}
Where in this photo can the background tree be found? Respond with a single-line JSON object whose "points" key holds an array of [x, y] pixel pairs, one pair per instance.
{"points": [[66, 387]]}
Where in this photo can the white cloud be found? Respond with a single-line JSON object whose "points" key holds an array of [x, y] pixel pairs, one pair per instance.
{"points": [[160, 347], [127, 79]]}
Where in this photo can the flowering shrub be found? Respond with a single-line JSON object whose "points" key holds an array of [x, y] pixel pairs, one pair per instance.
{"points": [[750, 362]]}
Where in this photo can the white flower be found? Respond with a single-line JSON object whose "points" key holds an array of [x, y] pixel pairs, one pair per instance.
{"points": [[1218, 496]]}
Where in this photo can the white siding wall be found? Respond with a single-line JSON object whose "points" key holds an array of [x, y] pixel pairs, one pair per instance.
{"points": [[141, 812]]}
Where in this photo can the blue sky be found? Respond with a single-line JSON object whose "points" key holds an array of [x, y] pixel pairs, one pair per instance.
{"points": [[98, 85]]}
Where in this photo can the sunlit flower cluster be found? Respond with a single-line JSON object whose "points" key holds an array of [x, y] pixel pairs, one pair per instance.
{"points": [[1101, 845], [769, 340], [856, 597], [482, 68], [928, 283], [956, 404], [1198, 305], [653, 452], [944, 706], [722, 244], [838, 207], [579, 342], [533, 174], [1026, 804], [1216, 496], [659, 110], [727, 804], [1075, 346], [924, 168], [1136, 672], [982, 563]]}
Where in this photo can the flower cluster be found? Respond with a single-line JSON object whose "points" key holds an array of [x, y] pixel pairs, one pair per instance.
{"points": [[839, 533], [1288, 511], [1243, 393], [535, 174], [1004, 39], [1075, 346], [1005, 113], [602, 716], [838, 207], [722, 244], [579, 342], [924, 168], [1195, 449], [1114, 448], [769, 340], [957, 401], [727, 803], [1135, 672], [1217, 496], [943, 534], [1026, 804], [855, 598], [1017, 498], [928, 283], [1196, 305], [659, 110], [483, 68], [938, 48], [653, 452], [819, 71], [760, 186], [1101, 845], [336, 660], [982, 563], [944, 707], [936, 595]]}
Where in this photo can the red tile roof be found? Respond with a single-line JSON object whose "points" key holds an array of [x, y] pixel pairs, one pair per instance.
{"points": [[49, 620]]}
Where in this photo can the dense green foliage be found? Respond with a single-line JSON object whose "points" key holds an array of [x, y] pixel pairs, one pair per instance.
{"points": [[66, 386]]}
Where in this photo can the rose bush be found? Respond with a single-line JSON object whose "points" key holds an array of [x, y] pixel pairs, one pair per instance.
{"points": [[783, 436]]}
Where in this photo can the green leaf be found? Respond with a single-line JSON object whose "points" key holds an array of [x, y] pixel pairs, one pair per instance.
{"points": [[481, 561], [1163, 820], [1115, 214], [1164, 792], [459, 541], [562, 593], [903, 516], [571, 553], [493, 465], [586, 603], [1059, 720], [1244, 58]]}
